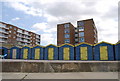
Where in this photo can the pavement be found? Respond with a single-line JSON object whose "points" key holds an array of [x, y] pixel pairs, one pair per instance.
{"points": [[69, 75], [56, 61]]}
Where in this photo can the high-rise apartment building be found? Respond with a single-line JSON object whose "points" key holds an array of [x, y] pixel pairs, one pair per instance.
{"points": [[84, 32], [65, 33], [11, 34]]}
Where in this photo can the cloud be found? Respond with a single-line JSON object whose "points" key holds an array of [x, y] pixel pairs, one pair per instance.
{"points": [[66, 8], [21, 6], [43, 27], [16, 18], [104, 13], [48, 34], [47, 38], [40, 26]]}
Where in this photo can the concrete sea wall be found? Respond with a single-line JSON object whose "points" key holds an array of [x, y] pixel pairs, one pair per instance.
{"points": [[40, 66]]}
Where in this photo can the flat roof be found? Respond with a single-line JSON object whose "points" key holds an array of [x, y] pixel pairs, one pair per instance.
{"points": [[19, 28]]}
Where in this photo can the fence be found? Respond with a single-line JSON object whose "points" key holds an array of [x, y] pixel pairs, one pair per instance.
{"points": [[102, 51]]}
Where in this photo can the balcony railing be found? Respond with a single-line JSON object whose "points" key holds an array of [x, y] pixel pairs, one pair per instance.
{"points": [[3, 36], [76, 35], [4, 27], [76, 39], [3, 31]]}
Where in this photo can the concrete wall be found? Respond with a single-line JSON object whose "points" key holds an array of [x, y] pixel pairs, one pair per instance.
{"points": [[59, 66]]}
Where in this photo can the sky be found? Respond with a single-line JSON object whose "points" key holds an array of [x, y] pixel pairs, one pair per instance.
{"points": [[42, 16]]}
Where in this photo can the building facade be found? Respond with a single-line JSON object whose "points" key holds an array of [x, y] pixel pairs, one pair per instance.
{"points": [[84, 32], [65, 33], [10, 34]]}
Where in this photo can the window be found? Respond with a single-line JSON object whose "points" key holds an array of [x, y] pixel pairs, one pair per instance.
{"points": [[76, 39], [2, 25], [76, 30], [10, 31], [67, 40], [76, 35], [82, 39], [80, 23], [66, 25], [14, 28], [19, 30], [81, 34], [81, 28], [67, 35], [67, 31], [22, 31], [11, 27]]}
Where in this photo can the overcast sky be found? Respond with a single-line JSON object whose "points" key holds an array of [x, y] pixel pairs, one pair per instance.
{"points": [[42, 16]]}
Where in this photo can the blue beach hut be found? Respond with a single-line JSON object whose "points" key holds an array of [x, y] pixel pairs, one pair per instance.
{"points": [[38, 52], [51, 52], [84, 51], [26, 52], [66, 52], [117, 51], [103, 51], [15, 53]]}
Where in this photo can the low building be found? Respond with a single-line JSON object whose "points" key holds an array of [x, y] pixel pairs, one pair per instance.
{"points": [[15, 36]]}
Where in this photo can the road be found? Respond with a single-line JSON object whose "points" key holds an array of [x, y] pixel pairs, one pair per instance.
{"points": [[77, 75]]}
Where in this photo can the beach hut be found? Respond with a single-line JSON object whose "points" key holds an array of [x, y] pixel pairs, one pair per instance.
{"points": [[38, 52], [117, 51], [26, 52], [66, 52], [84, 51], [4, 51], [103, 51], [51, 52], [15, 53]]}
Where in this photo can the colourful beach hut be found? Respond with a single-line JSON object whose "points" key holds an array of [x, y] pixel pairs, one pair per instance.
{"points": [[66, 52], [84, 51], [51, 52], [103, 51], [38, 52], [117, 51], [15, 53], [4, 51], [26, 52]]}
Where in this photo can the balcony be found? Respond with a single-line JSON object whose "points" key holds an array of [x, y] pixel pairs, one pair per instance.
{"points": [[95, 36], [25, 41], [3, 26], [38, 37], [95, 31], [4, 36], [23, 36], [76, 40], [26, 37], [76, 30], [26, 33], [19, 40], [19, 30], [3, 31], [38, 43], [76, 35], [19, 35], [3, 40], [37, 40]]}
